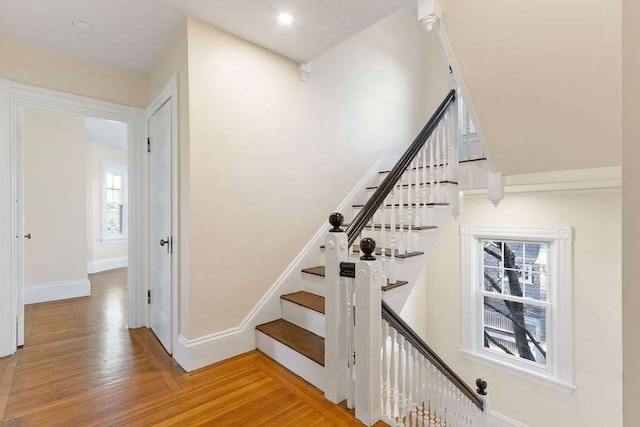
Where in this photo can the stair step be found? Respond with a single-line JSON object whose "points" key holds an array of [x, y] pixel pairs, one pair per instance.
{"points": [[406, 205], [306, 299], [398, 227], [387, 252], [420, 184], [319, 271], [299, 339], [442, 164], [316, 271]]}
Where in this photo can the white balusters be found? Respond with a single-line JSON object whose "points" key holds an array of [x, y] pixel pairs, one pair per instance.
{"points": [[401, 237], [392, 267]]}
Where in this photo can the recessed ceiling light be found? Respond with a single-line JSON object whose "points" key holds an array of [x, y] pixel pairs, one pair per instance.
{"points": [[82, 25], [285, 19]]}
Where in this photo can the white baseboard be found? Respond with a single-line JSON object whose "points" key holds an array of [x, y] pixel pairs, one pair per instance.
{"points": [[206, 350], [107, 264], [56, 291], [499, 420]]}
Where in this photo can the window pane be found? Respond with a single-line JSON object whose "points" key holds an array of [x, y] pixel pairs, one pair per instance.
{"points": [[114, 219], [515, 329], [493, 280], [492, 253]]}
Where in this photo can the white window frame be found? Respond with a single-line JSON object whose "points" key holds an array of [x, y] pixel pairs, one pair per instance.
{"points": [[114, 169], [558, 371]]}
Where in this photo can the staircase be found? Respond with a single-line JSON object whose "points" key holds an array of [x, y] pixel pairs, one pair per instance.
{"points": [[411, 209]]}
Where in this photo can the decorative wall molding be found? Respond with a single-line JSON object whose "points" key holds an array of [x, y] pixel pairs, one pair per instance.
{"points": [[56, 291], [305, 71], [430, 22], [99, 265], [195, 353]]}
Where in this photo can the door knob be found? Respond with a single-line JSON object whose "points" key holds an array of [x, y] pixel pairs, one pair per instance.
{"points": [[28, 236], [167, 243]]}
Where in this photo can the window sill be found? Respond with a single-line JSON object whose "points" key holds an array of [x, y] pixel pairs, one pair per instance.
{"points": [[520, 372], [114, 241]]}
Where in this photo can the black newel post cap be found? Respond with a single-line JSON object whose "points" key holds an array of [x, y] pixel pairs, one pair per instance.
{"points": [[336, 220], [367, 246], [482, 387]]}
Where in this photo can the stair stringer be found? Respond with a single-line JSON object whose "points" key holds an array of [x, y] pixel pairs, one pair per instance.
{"points": [[196, 353]]}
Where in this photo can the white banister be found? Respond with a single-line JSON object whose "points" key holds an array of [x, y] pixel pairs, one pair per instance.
{"points": [[335, 349], [368, 365]]}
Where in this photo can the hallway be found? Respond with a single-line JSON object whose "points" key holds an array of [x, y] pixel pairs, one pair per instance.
{"points": [[81, 366]]}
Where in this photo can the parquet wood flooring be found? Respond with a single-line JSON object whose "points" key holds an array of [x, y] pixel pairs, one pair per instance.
{"points": [[81, 366]]}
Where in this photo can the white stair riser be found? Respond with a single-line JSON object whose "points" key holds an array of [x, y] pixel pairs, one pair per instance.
{"points": [[313, 284], [303, 317], [306, 368], [425, 215], [442, 193], [411, 176]]}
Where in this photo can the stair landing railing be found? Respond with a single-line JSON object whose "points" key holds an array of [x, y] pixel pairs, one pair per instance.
{"points": [[377, 363]]}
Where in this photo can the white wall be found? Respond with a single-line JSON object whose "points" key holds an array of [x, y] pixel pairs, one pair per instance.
{"points": [[630, 208], [55, 197], [544, 77], [595, 216], [97, 250], [270, 156]]}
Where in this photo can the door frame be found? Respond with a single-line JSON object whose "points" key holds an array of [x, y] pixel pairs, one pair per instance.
{"points": [[168, 94], [13, 97]]}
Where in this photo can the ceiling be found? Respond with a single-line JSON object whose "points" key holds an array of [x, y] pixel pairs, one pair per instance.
{"points": [[106, 132], [131, 34]]}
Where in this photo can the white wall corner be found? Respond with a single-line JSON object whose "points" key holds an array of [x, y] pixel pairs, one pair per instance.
{"points": [[305, 71], [57, 291], [200, 352]]}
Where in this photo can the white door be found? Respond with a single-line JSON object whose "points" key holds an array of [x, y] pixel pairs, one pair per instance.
{"points": [[160, 297]]}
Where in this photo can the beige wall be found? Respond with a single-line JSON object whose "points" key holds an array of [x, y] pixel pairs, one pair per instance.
{"points": [[55, 197], [35, 66], [173, 62], [271, 156], [544, 77], [595, 217], [96, 154], [630, 209]]}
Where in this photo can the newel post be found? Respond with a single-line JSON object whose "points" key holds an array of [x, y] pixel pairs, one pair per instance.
{"points": [[368, 335], [482, 392], [335, 348]]}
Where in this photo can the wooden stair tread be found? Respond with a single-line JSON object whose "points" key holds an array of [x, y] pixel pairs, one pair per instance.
{"points": [[316, 271], [319, 271], [387, 252], [305, 299], [397, 205], [404, 227], [422, 183], [299, 339]]}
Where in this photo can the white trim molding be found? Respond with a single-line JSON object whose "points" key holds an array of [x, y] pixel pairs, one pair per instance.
{"points": [[98, 265], [195, 353], [557, 372], [56, 291], [499, 420], [13, 98]]}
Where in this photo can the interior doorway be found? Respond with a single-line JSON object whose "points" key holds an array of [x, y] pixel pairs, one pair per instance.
{"points": [[14, 97], [75, 203]]}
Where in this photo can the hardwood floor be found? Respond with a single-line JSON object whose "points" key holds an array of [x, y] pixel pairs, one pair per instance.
{"points": [[81, 366]]}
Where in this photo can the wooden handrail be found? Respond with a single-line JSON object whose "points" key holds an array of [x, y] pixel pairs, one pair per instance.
{"points": [[372, 205], [410, 335]]}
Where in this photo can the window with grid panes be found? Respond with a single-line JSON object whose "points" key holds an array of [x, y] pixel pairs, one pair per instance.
{"points": [[114, 201], [517, 300]]}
